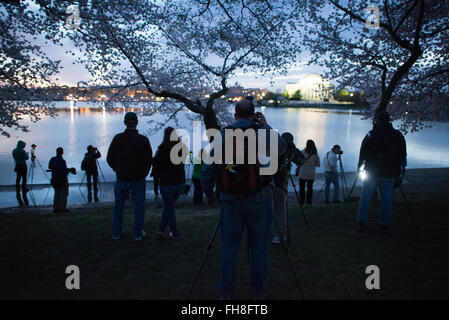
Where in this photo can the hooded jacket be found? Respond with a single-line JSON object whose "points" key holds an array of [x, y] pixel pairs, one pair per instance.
{"points": [[19, 154]]}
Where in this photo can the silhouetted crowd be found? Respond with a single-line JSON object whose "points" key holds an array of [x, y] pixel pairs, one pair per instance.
{"points": [[248, 199]]}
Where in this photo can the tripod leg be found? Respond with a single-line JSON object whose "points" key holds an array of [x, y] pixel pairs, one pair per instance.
{"points": [[46, 196], [284, 247], [321, 190], [288, 229], [79, 187], [349, 197], [300, 205], [211, 241], [45, 174]]}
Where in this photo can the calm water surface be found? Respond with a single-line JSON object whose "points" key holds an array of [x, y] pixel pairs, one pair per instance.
{"points": [[75, 129]]}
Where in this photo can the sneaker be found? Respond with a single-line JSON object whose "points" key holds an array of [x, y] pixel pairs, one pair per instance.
{"points": [[172, 236], [362, 226], [160, 235], [141, 236], [385, 229], [117, 237], [276, 240]]}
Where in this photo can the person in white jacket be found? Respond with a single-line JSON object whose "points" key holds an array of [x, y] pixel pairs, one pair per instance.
{"points": [[307, 171], [330, 172]]}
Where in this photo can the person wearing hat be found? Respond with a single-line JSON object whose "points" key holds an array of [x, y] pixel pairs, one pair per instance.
{"points": [[383, 153], [130, 156], [330, 172]]}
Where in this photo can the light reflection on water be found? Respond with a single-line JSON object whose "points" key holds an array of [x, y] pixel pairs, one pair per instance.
{"points": [[76, 127]]}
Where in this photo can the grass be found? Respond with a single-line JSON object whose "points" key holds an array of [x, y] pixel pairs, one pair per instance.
{"points": [[330, 258]]}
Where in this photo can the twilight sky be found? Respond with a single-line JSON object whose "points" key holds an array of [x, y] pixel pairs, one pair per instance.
{"points": [[72, 73]]}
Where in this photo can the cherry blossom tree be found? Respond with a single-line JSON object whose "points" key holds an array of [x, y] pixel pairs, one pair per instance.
{"points": [[396, 52], [23, 67], [181, 51]]}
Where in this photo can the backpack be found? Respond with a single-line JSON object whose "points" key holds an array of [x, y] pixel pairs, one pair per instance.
{"points": [[85, 163], [385, 146], [242, 178]]}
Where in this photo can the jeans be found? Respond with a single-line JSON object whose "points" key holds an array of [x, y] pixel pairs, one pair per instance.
{"points": [[302, 190], [60, 198], [169, 196], [89, 177], [386, 186], [331, 177], [21, 171], [121, 193], [197, 191], [256, 216]]}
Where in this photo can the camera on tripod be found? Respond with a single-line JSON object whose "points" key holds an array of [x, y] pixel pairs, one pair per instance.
{"points": [[33, 152]]}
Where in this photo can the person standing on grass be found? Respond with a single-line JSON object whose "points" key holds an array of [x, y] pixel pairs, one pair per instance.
{"points": [[196, 179], [130, 156], [20, 157], [281, 186], [89, 164], [59, 181], [383, 153], [246, 203], [171, 179], [307, 171], [330, 172]]}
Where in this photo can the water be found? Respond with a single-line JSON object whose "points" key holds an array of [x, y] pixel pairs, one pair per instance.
{"points": [[75, 129]]}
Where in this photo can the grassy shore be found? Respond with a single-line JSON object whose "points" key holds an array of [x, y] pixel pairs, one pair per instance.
{"points": [[329, 259]]}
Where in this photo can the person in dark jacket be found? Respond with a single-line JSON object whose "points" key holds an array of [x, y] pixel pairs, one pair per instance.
{"points": [[20, 157], [171, 179], [382, 153], [250, 209], [89, 165], [130, 156], [281, 186], [59, 181]]}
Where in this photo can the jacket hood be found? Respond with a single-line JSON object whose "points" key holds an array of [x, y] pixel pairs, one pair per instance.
{"points": [[21, 144]]}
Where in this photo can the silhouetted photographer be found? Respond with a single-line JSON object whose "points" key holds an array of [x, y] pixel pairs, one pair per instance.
{"points": [[89, 164], [59, 181], [382, 154], [20, 157]]}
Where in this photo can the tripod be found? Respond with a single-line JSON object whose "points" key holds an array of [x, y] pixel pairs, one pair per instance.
{"points": [[33, 166], [349, 197], [299, 202], [344, 184], [211, 241]]}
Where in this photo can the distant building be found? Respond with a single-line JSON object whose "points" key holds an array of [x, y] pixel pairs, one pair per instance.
{"points": [[312, 86]]}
